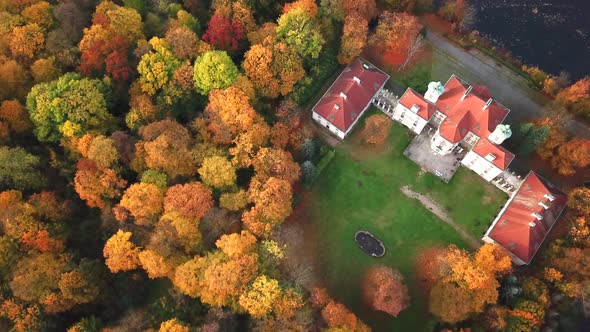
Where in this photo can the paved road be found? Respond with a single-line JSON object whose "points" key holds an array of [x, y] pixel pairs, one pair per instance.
{"points": [[507, 87]]}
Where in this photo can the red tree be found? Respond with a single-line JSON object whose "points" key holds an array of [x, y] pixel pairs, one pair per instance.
{"points": [[385, 291], [223, 33]]}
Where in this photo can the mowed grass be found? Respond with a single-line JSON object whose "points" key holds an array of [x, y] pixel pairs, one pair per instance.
{"points": [[360, 190]]}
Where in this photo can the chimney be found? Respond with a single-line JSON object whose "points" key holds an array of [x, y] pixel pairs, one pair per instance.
{"points": [[343, 95], [545, 206], [536, 215], [466, 93], [488, 104], [357, 80], [549, 197]]}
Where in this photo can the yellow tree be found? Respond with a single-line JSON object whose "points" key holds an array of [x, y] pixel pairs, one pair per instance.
{"points": [[234, 201], [579, 200], [271, 198], [236, 244], [39, 13], [308, 6], [465, 284], [144, 201], [120, 253], [493, 259], [365, 8], [395, 32], [225, 281], [155, 265], [167, 148], [215, 278], [45, 70], [26, 41], [354, 38], [276, 163], [571, 156], [376, 130], [229, 113], [103, 151], [188, 276], [273, 67], [173, 325], [217, 172], [259, 299], [577, 97]]}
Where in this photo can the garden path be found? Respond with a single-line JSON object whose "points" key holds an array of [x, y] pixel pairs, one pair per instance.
{"points": [[433, 206]]}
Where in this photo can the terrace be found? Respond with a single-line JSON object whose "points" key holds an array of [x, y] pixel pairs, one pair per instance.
{"points": [[444, 166]]}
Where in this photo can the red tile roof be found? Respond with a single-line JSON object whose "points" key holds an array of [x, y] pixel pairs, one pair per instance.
{"points": [[468, 114], [346, 98], [411, 97], [502, 157], [516, 228]]}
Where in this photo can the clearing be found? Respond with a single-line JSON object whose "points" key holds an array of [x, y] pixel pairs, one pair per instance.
{"points": [[360, 190]]}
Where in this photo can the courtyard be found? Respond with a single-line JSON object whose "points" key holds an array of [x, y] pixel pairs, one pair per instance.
{"points": [[420, 152], [361, 189]]}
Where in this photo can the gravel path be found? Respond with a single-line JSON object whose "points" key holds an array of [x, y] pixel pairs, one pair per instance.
{"points": [[441, 214], [506, 86]]}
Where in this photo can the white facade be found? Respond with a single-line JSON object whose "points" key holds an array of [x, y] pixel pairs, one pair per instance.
{"points": [[481, 165], [409, 118], [440, 146], [326, 124]]}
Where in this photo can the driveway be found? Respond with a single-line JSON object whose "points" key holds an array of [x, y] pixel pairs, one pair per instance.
{"points": [[506, 86]]}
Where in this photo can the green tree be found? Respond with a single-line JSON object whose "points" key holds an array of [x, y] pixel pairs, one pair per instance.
{"points": [[534, 138], [214, 70], [8, 251], [69, 106], [300, 31], [19, 170]]}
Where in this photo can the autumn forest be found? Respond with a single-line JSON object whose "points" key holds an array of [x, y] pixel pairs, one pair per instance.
{"points": [[151, 151]]}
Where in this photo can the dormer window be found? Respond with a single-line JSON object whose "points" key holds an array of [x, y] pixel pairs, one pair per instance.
{"points": [[545, 206], [466, 93], [490, 157], [537, 216], [415, 108], [366, 66], [532, 224], [336, 106], [357, 80], [343, 95], [549, 197]]}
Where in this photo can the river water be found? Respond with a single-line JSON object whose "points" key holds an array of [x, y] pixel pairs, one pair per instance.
{"points": [[551, 34]]}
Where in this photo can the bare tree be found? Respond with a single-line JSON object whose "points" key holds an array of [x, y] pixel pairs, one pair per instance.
{"points": [[469, 17], [416, 45]]}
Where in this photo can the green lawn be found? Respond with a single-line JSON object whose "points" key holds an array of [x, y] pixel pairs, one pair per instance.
{"points": [[360, 190]]}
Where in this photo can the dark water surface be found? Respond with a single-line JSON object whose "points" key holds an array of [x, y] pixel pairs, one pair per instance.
{"points": [[551, 34]]}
